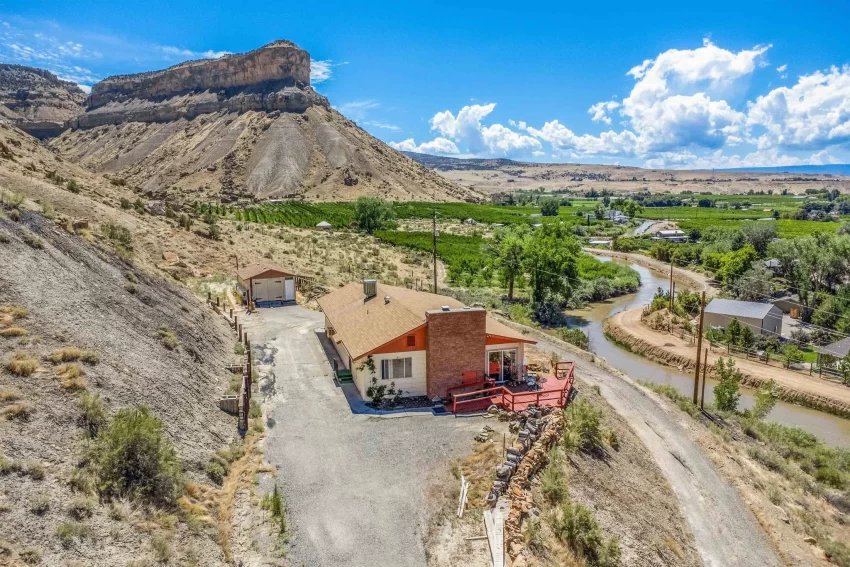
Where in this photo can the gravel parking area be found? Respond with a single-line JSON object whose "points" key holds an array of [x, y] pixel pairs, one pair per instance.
{"points": [[354, 482]]}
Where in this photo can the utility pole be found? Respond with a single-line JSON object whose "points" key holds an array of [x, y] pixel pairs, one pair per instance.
{"points": [[435, 250], [699, 347], [671, 285], [704, 372]]}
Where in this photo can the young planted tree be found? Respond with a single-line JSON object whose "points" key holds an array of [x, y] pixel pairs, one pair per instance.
{"points": [[765, 400], [726, 394], [733, 332], [791, 355]]}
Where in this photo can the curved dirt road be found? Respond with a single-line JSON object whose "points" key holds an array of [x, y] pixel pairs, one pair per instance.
{"points": [[725, 531], [826, 392]]}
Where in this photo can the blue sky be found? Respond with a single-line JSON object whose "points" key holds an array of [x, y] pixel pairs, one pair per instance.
{"points": [[727, 84]]}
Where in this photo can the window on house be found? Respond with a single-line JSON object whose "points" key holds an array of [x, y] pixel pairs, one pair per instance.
{"points": [[397, 368], [411, 340]]}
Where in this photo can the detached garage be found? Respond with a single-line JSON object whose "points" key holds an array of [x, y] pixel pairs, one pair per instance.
{"points": [[266, 285]]}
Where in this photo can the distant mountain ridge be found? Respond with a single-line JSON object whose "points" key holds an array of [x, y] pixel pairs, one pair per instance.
{"points": [[826, 169], [444, 163]]}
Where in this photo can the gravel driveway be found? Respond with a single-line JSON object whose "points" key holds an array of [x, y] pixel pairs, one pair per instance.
{"points": [[353, 482]]}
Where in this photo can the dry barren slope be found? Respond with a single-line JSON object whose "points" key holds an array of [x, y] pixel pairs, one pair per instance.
{"points": [[77, 296]]}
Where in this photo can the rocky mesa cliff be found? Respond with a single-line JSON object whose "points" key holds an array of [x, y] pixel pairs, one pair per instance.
{"points": [[245, 126], [37, 101]]}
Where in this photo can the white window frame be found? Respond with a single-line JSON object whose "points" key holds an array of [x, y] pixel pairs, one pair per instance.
{"points": [[388, 368]]}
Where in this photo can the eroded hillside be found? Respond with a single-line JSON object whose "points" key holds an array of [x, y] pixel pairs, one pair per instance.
{"points": [[77, 323], [245, 126]]}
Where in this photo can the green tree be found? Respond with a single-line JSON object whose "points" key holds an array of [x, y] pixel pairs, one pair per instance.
{"points": [[726, 394], [372, 213], [747, 338], [551, 262], [733, 332], [813, 264], [765, 400], [631, 208], [759, 235], [550, 207], [734, 264], [510, 255], [600, 211], [791, 355]]}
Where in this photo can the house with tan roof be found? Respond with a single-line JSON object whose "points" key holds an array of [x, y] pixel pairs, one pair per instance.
{"points": [[425, 343]]}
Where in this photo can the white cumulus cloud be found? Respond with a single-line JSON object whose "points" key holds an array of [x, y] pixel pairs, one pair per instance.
{"points": [[812, 114], [440, 146], [468, 130]]}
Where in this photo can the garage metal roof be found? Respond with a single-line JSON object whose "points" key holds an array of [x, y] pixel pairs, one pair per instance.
{"points": [[735, 308]]}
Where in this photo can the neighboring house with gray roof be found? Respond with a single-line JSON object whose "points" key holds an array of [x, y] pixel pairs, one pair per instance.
{"points": [[761, 318], [838, 349]]}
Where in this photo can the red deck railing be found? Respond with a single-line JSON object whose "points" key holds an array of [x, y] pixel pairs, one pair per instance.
{"points": [[554, 393]]}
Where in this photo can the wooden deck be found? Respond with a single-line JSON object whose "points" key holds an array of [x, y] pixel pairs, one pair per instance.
{"points": [[554, 391]]}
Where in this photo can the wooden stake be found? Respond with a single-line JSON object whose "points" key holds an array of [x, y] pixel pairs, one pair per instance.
{"points": [[699, 347], [240, 333]]}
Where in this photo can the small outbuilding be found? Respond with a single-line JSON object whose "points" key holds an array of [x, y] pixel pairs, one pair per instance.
{"points": [[761, 318], [788, 303], [267, 285]]}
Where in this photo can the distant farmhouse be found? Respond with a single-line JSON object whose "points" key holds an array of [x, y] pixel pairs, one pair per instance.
{"points": [[674, 235]]}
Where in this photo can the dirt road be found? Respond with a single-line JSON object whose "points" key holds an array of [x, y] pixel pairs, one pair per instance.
{"points": [[725, 531], [353, 481], [810, 387], [693, 280]]}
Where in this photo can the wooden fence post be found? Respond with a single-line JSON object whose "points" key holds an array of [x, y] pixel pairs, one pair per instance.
{"points": [[240, 333]]}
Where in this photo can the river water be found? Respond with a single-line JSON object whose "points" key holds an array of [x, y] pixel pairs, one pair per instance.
{"points": [[833, 430]]}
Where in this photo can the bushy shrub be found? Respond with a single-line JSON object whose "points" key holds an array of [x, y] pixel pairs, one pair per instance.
{"points": [[582, 423], [133, 457], [22, 363], [575, 526], [92, 414], [168, 338], [553, 480], [575, 337]]}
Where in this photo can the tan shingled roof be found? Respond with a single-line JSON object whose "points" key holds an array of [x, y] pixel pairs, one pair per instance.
{"points": [[363, 326], [254, 270]]}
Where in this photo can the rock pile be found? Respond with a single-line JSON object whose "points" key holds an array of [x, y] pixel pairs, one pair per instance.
{"points": [[538, 431]]}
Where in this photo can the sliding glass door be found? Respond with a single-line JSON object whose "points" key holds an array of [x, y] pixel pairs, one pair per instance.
{"points": [[502, 364]]}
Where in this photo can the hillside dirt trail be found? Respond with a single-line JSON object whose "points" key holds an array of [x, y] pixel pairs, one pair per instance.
{"points": [[725, 531]]}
